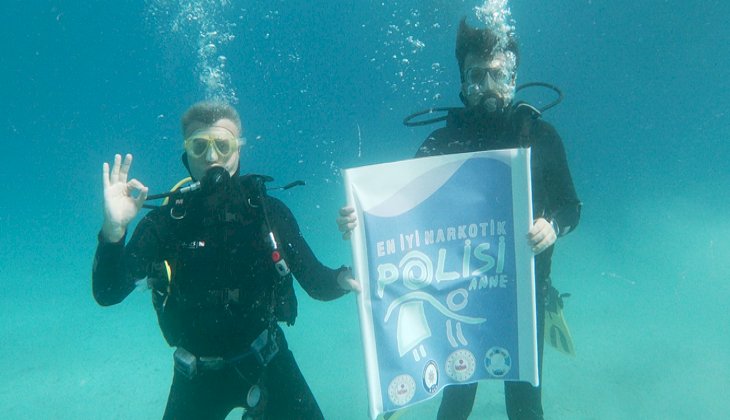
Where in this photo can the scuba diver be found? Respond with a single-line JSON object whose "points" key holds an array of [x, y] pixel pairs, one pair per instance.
{"points": [[220, 257], [490, 120]]}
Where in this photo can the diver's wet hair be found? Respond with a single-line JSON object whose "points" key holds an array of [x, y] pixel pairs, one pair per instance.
{"points": [[480, 42], [208, 112]]}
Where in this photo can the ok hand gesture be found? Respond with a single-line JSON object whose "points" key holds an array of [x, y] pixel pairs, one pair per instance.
{"points": [[120, 206]]}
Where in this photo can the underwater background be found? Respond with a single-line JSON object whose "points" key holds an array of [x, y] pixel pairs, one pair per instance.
{"points": [[323, 86]]}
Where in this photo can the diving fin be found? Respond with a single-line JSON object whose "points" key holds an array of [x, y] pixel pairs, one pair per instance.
{"points": [[556, 329]]}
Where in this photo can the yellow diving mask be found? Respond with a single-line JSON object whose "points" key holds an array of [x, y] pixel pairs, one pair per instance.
{"points": [[222, 140]]}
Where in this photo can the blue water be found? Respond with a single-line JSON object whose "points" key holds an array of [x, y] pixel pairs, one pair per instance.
{"points": [[323, 86]]}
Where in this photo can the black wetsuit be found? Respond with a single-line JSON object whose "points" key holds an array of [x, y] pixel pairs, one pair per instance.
{"points": [[553, 197], [222, 294]]}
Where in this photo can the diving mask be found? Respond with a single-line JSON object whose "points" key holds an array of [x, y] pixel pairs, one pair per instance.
{"points": [[497, 76], [490, 82], [223, 141], [486, 82]]}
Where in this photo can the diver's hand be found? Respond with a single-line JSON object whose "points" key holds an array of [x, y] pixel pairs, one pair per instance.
{"points": [[347, 282], [120, 206], [347, 222], [541, 236]]}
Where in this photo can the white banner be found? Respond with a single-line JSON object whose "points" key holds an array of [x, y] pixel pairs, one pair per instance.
{"points": [[447, 274]]}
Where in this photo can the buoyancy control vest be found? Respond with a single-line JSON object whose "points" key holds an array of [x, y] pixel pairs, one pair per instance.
{"points": [[221, 256]]}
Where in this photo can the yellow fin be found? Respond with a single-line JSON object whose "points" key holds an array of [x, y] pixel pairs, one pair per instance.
{"points": [[557, 333]]}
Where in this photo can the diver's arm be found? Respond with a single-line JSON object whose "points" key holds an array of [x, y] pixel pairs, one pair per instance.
{"points": [[109, 282], [318, 280], [563, 203], [111, 277], [117, 267]]}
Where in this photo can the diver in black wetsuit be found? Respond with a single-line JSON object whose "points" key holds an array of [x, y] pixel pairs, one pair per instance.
{"points": [[489, 121], [219, 261]]}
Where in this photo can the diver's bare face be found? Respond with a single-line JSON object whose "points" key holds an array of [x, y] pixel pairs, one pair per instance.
{"points": [[199, 165]]}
